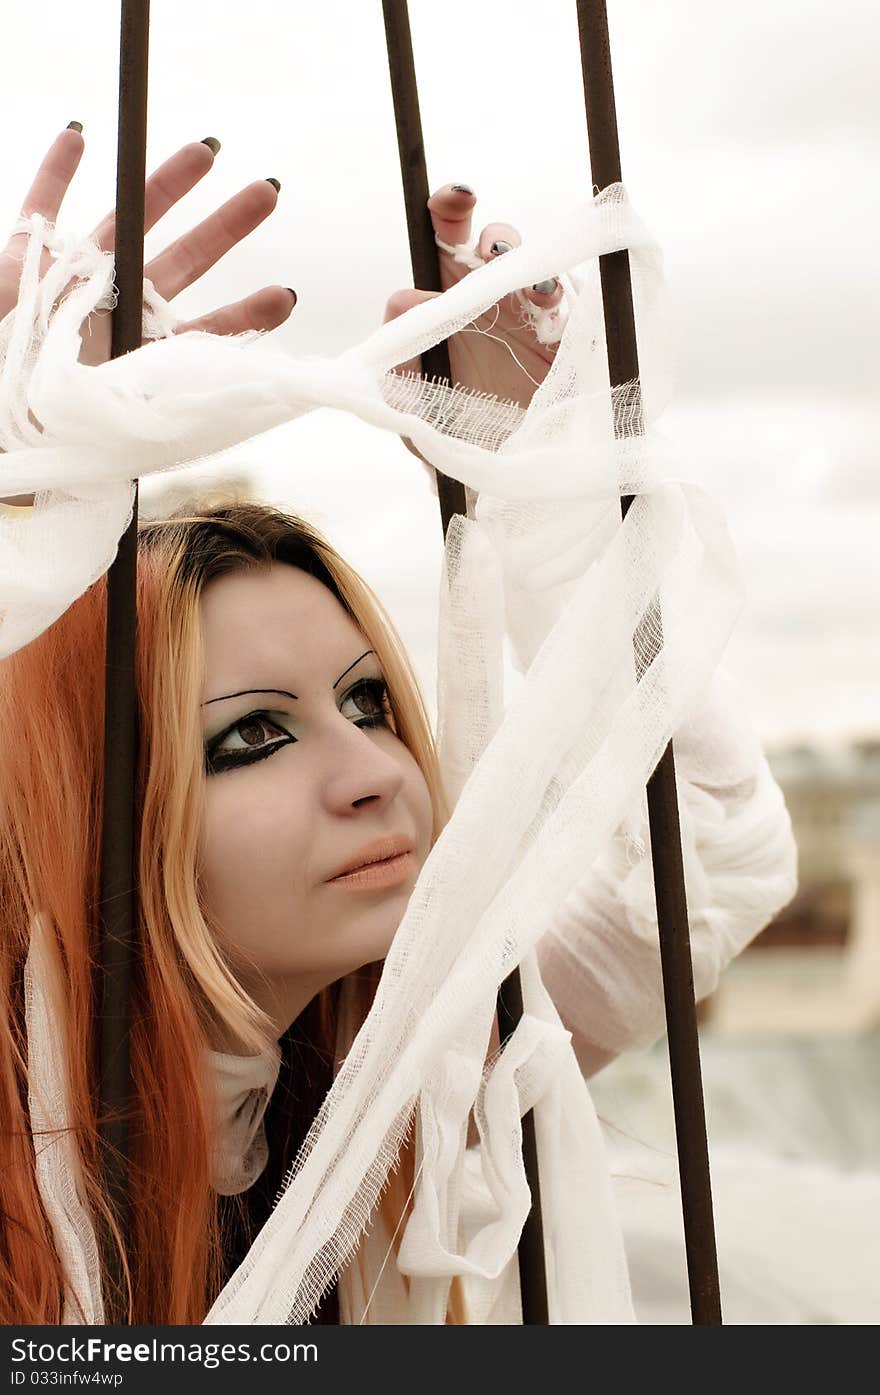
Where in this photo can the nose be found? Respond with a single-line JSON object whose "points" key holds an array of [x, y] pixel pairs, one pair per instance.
{"points": [[362, 773]]}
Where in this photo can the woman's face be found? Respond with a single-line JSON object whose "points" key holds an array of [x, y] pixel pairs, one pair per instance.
{"points": [[304, 777]]}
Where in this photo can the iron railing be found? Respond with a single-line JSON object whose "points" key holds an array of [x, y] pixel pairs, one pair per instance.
{"points": [[118, 872]]}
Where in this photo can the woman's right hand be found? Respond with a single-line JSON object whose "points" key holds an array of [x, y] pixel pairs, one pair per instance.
{"points": [[177, 267], [180, 264]]}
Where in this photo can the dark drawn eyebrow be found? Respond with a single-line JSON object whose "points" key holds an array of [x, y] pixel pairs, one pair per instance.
{"points": [[280, 692], [351, 666], [246, 691]]}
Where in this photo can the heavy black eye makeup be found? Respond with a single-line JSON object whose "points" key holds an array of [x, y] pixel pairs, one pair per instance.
{"points": [[365, 701], [369, 698]]}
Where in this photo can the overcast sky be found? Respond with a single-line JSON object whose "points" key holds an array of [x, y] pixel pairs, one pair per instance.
{"points": [[749, 140]]}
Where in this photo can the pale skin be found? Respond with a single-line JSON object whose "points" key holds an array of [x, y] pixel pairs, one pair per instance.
{"points": [[276, 828], [175, 268], [509, 369], [178, 265]]}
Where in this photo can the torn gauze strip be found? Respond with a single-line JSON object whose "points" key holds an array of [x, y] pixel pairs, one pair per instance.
{"points": [[541, 783]]}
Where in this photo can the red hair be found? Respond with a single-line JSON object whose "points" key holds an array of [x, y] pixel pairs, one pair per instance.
{"points": [[51, 775]]}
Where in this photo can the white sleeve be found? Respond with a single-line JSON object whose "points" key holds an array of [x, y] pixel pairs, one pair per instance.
{"points": [[600, 961]]}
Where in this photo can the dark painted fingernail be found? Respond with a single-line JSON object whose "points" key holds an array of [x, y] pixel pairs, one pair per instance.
{"points": [[462, 189], [292, 292], [500, 246], [276, 184], [212, 143], [75, 126], [546, 287]]}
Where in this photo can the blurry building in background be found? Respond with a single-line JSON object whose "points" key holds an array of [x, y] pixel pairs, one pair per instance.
{"points": [[815, 970], [790, 1041]]}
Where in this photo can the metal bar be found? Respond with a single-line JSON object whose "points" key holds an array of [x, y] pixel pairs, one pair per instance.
{"points": [[414, 177], [452, 498], [672, 916], [117, 907], [530, 1251]]}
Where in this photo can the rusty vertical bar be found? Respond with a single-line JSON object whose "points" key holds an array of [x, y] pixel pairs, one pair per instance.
{"points": [[452, 499], [117, 908], [672, 915], [414, 177]]}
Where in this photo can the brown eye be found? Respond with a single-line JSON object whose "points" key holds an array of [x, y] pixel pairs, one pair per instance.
{"points": [[251, 734], [369, 699], [253, 726]]}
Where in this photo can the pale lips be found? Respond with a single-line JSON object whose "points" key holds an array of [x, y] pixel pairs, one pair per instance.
{"points": [[377, 876], [381, 852]]}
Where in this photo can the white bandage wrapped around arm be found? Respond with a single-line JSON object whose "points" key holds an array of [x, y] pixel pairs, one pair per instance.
{"points": [[601, 961]]}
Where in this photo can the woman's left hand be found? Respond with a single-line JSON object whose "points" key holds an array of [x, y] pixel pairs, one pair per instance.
{"points": [[500, 354]]}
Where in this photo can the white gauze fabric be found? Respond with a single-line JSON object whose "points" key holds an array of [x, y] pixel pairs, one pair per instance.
{"points": [[55, 1152], [540, 784]]}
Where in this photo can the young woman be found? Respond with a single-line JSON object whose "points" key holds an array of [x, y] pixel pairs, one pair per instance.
{"points": [[288, 796]]}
